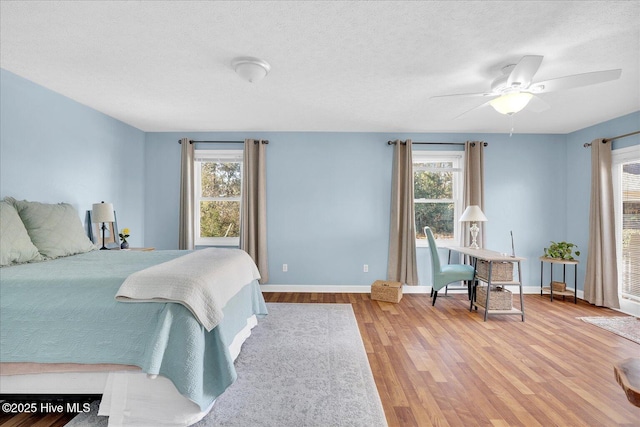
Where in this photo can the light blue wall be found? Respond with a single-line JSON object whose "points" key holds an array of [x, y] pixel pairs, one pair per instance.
{"points": [[525, 193], [328, 199], [327, 193], [53, 149]]}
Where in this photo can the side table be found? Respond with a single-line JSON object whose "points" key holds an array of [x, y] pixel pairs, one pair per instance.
{"points": [[549, 289]]}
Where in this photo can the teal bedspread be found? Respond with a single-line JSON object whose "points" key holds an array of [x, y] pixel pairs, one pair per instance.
{"points": [[64, 311]]}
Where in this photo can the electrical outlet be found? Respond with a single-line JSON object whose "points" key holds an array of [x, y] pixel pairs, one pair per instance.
{"points": [[285, 267], [365, 268]]}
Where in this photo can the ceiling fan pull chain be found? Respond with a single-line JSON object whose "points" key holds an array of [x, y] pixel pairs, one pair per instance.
{"points": [[511, 119]]}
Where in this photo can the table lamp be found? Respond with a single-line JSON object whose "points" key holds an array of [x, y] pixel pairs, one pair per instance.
{"points": [[473, 214], [102, 212]]}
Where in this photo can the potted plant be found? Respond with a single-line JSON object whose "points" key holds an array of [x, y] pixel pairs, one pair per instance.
{"points": [[561, 250]]}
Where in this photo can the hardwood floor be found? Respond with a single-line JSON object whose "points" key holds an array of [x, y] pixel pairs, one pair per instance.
{"points": [[444, 366]]}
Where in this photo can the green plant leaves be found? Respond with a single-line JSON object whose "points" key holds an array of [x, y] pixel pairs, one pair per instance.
{"points": [[561, 250]]}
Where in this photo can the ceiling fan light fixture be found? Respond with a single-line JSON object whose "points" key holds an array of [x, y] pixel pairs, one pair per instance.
{"points": [[250, 69], [511, 103]]}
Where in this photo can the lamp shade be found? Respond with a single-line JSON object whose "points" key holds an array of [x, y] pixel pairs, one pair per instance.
{"points": [[511, 103], [473, 213], [102, 212]]}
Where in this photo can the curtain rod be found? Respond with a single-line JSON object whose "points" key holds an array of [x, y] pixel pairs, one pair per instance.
{"points": [[604, 141], [191, 141], [435, 143]]}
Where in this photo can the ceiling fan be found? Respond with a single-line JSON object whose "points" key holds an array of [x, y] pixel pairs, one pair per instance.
{"points": [[512, 91]]}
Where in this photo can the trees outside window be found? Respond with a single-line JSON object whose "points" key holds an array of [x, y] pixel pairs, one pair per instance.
{"points": [[437, 182], [218, 191]]}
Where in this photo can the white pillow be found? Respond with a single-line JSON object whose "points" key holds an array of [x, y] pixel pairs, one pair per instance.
{"points": [[55, 229], [15, 245]]}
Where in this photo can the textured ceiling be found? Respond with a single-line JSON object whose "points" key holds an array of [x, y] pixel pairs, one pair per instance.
{"points": [[336, 66]]}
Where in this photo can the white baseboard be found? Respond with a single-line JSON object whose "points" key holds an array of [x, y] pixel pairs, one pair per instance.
{"points": [[629, 307], [351, 289], [365, 289]]}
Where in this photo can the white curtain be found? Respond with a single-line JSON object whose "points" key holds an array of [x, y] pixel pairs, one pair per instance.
{"points": [[402, 234], [473, 188], [601, 281], [253, 219], [186, 235]]}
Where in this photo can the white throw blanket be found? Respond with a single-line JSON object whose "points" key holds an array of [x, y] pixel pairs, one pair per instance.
{"points": [[203, 281]]}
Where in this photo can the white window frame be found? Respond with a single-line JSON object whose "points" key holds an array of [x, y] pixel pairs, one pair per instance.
{"points": [[222, 156], [457, 158], [618, 158]]}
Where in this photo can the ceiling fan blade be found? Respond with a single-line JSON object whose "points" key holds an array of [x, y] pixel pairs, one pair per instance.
{"points": [[537, 105], [473, 109], [576, 80], [524, 71], [464, 95]]}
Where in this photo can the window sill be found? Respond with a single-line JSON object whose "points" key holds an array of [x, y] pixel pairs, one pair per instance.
{"points": [[218, 241], [424, 243]]}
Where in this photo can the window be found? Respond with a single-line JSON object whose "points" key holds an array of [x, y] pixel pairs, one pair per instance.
{"points": [[218, 190], [437, 181], [626, 178]]}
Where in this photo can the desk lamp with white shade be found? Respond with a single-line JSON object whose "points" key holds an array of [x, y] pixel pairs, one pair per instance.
{"points": [[473, 214], [102, 212]]}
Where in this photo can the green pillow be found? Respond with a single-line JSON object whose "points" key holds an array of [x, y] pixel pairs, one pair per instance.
{"points": [[55, 229], [15, 245]]}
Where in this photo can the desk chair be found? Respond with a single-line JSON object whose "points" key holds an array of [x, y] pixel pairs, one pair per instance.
{"points": [[444, 274]]}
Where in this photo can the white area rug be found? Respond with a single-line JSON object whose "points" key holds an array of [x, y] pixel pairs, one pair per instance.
{"points": [[625, 326], [304, 365]]}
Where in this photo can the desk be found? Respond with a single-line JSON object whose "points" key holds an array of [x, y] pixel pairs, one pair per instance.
{"points": [[492, 257]]}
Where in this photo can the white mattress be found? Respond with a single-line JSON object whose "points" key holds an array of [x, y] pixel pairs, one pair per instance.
{"points": [[129, 398]]}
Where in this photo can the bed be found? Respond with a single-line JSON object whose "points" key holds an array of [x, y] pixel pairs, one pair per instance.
{"points": [[154, 360]]}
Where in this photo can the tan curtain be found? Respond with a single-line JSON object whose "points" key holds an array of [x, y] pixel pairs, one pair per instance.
{"points": [[253, 220], [402, 234], [473, 188], [186, 235], [601, 281]]}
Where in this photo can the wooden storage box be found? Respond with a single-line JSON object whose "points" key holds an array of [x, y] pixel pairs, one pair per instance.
{"points": [[501, 271], [500, 298], [558, 286], [383, 290]]}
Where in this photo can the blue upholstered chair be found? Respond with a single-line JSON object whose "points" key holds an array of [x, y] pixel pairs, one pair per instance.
{"points": [[444, 274]]}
